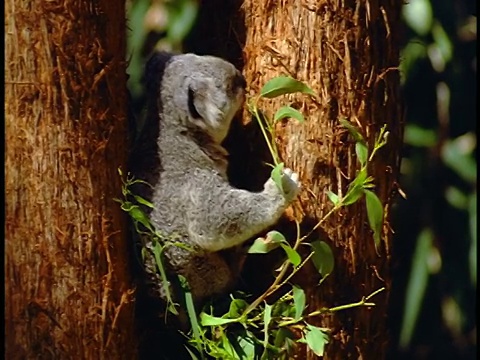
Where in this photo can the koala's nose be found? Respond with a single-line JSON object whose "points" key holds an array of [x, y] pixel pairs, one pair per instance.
{"points": [[239, 81]]}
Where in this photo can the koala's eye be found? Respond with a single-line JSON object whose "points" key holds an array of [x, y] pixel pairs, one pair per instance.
{"points": [[239, 82]]}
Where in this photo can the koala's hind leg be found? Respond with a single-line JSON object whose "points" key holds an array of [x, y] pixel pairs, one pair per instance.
{"points": [[209, 274]]}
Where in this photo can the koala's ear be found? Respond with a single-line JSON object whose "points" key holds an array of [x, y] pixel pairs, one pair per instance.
{"points": [[191, 104], [201, 104]]}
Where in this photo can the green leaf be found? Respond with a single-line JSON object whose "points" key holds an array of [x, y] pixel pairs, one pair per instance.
{"points": [[418, 15], [456, 198], [262, 246], [316, 339], [414, 51], [282, 85], [288, 112], [209, 320], [192, 315], [443, 42], [139, 216], [276, 175], [276, 237], [333, 197], [416, 287], [299, 301], [293, 256], [375, 215], [157, 253], [281, 335], [271, 242], [458, 155], [355, 189], [228, 347], [419, 137], [142, 201], [237, 307], [182, 15], [361, 150], [353, 195], [246, 344], [352, 129], [267, 317], [322, 258]]}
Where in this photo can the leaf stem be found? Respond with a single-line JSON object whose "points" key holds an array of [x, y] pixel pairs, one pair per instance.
{"points": [[362, 302], [254, 110]]}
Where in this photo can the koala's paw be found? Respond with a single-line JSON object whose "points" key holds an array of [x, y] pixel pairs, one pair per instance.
{"points": [[291, 184]]}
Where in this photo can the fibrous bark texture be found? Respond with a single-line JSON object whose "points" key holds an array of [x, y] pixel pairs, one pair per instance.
{"points": [[347, 52], [68, 293]]}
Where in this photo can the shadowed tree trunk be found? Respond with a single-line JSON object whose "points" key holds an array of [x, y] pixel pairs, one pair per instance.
{"points": [[347, 52], [68, 291]]}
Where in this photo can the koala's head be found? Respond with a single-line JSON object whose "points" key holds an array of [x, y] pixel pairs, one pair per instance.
{"points": [[200, 91]]}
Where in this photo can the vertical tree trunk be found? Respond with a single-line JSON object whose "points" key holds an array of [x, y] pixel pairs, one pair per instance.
{"points": [[348, 53], [68, 292]]}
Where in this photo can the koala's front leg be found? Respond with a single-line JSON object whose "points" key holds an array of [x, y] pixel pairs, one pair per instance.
{"points": [[221, 216]]}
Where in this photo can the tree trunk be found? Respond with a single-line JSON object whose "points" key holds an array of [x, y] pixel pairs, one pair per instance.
{"points": [[347, 52], [68, 291]]}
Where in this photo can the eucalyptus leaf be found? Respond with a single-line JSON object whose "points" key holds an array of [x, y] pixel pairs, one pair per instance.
{"points": [[323, 258], [293, 255], [182, 15], [288, 112], [361, 150], [267, 317], [281, 335], [139, 216], [352, 129], [262, 246], [316, 339], [421, 137], [418, 15], [245, 345], [299, 301], [353, 195], [237, 307], [142, 201], [355, 189], [416, 287], [228, 347], [443, 41], [210, 320], [282, 85], [192, 315], [375, 215], [333, 197], [276, 237], [157, 253]]}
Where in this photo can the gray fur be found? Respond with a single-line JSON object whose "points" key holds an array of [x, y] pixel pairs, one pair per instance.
{"points": [[193, 200]]}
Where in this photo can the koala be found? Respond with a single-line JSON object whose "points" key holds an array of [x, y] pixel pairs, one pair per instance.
{"points": [[191, 103]]}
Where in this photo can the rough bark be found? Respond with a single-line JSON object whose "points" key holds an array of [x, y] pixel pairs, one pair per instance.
{"points": [[68, 292], [348, 53]]}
